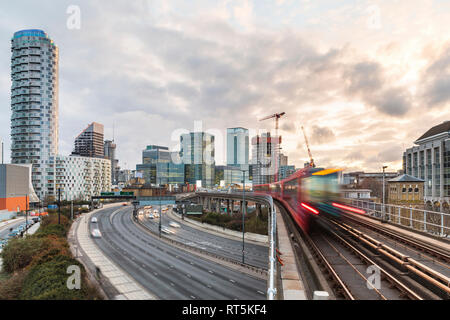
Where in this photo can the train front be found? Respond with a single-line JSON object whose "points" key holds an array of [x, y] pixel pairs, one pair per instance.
{"points": [[322, 195]]}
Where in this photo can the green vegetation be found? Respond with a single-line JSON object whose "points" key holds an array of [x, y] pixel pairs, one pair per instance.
{"points": [[253, 223], [35, 268]]}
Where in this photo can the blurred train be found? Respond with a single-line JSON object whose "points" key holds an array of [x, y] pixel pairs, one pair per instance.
{"points": [[308, 192]]}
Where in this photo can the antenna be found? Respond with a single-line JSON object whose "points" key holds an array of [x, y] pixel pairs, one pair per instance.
{"points": [[113, 130]]}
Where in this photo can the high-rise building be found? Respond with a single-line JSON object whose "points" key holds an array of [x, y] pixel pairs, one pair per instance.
{"points": [[429, 160], [89, 142], [198, 155], [237, 146], [158, 167], [109, 149], [283, 160], [34, 105], [264, 158]]}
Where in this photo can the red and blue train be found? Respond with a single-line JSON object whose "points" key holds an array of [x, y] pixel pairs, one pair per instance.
{"points": [[308, 192]]}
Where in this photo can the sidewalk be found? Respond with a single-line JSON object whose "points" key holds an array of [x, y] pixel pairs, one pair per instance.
{"points": [[124, 285]]}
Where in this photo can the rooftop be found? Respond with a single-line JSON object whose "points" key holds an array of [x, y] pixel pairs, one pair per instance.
{"points": [[405, 178], [440, 128]]}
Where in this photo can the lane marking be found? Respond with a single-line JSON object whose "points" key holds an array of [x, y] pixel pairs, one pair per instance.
{"points": [[231, 280], [210, 272], [260, 292], [193, 297]]}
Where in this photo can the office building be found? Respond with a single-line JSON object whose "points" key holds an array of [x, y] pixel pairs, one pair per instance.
{"points": [[34, 105], [237, 146], [429, 160], [264, 158], [89, 142], [285, 171], [158, 166], [109, 149], [82, 177], [198, 155]]}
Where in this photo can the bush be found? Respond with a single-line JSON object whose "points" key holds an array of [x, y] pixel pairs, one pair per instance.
{"points": [[52, 230], [10, 288], [48, 281], [19, 253]]}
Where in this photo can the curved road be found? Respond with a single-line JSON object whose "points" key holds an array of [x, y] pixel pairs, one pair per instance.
{"points": [[168, 272], [255, 255]]}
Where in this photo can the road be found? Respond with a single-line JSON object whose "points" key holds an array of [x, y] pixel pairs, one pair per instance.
{"points": [[5, 230], [255, 255], [168, 272]]}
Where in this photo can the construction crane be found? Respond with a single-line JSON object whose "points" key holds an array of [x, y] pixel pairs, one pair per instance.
{"points": [[311, 161], [277, 117]]}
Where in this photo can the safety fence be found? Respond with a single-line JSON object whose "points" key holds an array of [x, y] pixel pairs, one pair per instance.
{"points": [[436, 223]]}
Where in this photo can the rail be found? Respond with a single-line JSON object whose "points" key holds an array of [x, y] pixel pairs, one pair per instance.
{"points": [[272, 227], [437, 223]]}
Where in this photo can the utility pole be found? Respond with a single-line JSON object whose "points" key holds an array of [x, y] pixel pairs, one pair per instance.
{"points": [[243, 221], [71, 209], [384, 209], [59, 205], [160, 213], [26, 213]]}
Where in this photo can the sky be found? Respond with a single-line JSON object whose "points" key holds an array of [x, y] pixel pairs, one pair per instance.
{"points": [[364, 78]]}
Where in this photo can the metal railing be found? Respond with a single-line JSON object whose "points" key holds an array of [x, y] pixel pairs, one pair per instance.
{"points": [[433, 222], [272, 229]]}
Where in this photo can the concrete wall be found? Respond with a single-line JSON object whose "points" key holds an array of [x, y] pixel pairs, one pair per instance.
{"points": [[14, 186], [6, 215]]}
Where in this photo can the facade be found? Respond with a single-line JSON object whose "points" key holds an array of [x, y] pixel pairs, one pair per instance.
{"points": [[360, 194], [406, 189], [34, 105], [286, 171], [158, 166], [237, 146], [429, 160], [198, 156], [265, 159], [109, 150], [89, 142], [16, 190], [82, 177], [356, 178], [231, 176], [283, 160]]}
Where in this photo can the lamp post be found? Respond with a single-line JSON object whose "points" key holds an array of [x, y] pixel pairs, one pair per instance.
{"points": [[244, 209], [160, 216], [384, 209]]}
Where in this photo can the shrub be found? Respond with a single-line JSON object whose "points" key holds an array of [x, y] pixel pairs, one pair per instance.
{"points": [[19, 253], [10, 288], [58, 230], [48, 281]]}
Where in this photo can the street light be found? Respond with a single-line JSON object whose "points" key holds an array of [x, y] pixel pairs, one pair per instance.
{"points": [[244, 209], [160, 213], [384, 209]]}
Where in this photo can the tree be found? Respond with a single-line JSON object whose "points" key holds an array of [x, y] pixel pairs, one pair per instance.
{"points": [[373, 184]]}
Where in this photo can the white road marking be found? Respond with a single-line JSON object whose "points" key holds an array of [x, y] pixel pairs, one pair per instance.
{"points": [[231, 280], [260, 292], [172, 284], [210, 272], [193, 297]]}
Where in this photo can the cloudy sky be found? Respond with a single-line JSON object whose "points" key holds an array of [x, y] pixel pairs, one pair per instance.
{"points": [[365, 78]]}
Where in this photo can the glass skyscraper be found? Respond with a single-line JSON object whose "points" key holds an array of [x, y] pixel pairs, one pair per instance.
{"points": [[198, 155], [237, 146], [34, 105]]}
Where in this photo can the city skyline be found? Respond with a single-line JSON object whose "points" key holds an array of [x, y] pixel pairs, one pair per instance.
{"points": [[371, 89]]}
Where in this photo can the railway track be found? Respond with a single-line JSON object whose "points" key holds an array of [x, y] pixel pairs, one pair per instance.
{"points": [[359, 267]]}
